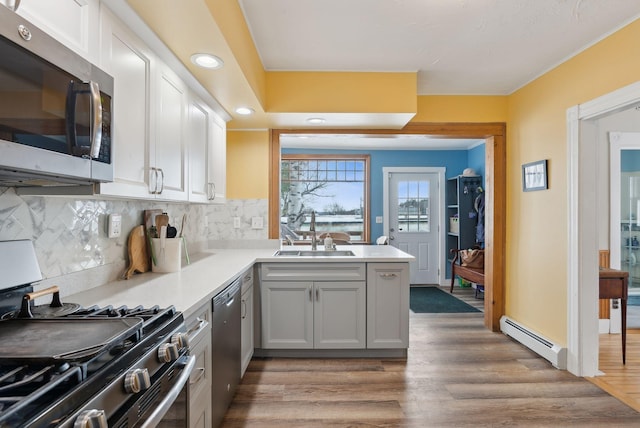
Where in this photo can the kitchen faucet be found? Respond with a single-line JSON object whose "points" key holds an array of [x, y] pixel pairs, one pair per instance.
{"points": [[312, 229]]}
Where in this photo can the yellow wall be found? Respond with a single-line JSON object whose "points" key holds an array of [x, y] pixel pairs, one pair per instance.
{"points": [[536, 276], [458, 108], [341, 92], [247, 164]]}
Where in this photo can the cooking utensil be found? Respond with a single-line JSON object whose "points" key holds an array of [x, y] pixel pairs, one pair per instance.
{"points": [[138, 255], [184, 220], [184, 240], [162, 220], [150, 220], [172, 232], [186, 252], [55, 309], [52, 340], [163, 242]]}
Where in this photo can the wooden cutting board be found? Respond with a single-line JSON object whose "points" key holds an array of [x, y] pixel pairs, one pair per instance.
{"points": [[137, 249]]}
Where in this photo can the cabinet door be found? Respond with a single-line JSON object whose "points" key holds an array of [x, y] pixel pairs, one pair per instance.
{"points": [[247, 328], [287, 315], [199, 386], [71, 22], [168, 154], [218, 162], [339, 315], [129, 61], [199, 137], [387, 305]]}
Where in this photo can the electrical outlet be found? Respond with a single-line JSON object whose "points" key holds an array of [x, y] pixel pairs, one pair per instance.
{"points": [[236, 222], [256, 223], [114, 225], [378, 219]]}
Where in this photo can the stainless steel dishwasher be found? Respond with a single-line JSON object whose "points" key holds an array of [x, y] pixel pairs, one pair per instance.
{"points": [[226, 349]]}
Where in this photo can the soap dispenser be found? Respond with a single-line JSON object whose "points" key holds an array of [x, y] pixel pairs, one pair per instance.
{"points": [[328, 242]]}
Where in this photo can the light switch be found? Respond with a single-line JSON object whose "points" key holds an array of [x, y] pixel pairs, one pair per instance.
{"points": [[236, 222], [379, 219]]}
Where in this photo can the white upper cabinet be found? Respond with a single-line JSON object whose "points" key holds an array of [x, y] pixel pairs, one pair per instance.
{"points": [[199, 132], [72, 22], [127, 59], [218, 162], [207, 153], [167, 152]]}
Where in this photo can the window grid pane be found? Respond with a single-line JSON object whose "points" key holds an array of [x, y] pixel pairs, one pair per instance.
{"points": [[334, 189], [413, 206]]}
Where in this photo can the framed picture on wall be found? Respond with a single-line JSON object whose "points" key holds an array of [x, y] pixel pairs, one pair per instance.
{"points": [[534, 176]]}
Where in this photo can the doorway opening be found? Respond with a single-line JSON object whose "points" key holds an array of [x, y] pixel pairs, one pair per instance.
{"points": [[494, 135], [587, 143]]}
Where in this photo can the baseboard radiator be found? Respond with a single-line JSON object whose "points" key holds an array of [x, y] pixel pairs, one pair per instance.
{"points": [[548, 350]]}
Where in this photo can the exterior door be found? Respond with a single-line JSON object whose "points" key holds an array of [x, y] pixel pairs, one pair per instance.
{"points": [[414, 222]]}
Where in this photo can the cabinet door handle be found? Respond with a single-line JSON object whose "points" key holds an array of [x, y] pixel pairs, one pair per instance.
{"points": [[200, 375], [212, 191], [161, 181], [153, 178], [387, 275], [317, 295], [194, 331], [310, 295], [244, 308]]}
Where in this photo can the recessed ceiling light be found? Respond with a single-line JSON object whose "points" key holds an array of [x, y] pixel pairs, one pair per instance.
{"points": [[245, 111], [207, 60], [316, 120]]}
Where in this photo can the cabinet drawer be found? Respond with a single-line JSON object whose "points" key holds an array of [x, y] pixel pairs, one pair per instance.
{"points": [[200, 379], [314, 271]]}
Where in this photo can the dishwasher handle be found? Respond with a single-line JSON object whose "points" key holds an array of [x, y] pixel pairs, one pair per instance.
{"points": [[228, 295]]}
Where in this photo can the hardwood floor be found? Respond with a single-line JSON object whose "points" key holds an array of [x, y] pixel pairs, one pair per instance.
{"points": [[620, 380], [457, 374]]}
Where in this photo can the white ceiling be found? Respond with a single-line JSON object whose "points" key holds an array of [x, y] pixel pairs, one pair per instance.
{"points": [[456, 46], [470, 47]]}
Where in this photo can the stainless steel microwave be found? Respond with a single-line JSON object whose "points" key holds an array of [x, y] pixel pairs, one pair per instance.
{"points": [[55, 110]]}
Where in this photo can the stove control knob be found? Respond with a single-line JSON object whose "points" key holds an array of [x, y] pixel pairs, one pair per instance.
{"points": [[181, 340], [91, 419], [168, 352], [137, 380]]}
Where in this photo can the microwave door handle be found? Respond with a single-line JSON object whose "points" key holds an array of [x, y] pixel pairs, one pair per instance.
{"points": [[96, 122], [72, 92]]}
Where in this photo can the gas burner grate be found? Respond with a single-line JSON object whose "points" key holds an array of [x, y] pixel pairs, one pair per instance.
{"points": [[22, 389]]}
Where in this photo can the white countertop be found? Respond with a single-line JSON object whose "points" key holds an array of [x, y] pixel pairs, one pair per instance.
{"points": [[208, 273]]}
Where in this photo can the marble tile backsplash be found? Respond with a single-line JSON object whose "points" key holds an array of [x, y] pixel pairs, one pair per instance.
{"points": [[69, 234]]}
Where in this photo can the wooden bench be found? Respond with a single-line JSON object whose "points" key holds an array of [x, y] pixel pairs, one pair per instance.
{"points": [[470, 274]]}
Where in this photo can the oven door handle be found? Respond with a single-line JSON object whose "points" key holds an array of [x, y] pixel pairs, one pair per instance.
{"points": [[158, 413]]}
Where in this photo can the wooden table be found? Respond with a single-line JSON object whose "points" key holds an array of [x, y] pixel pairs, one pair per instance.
{"points": [[614, 285]]}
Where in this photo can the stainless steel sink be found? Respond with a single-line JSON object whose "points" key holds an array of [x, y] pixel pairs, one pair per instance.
{"points": [[317, 253]]}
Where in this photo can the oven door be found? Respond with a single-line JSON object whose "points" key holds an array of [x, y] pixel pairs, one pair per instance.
{"points": [[170, 409]]}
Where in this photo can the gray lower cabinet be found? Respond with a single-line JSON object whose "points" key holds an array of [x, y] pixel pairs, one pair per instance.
{"points": [[246, 314], [199, 389], [313, 306], [387, 305]]}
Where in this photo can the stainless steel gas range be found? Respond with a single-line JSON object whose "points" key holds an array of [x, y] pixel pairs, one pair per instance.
{"points": [[69, 366]]}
